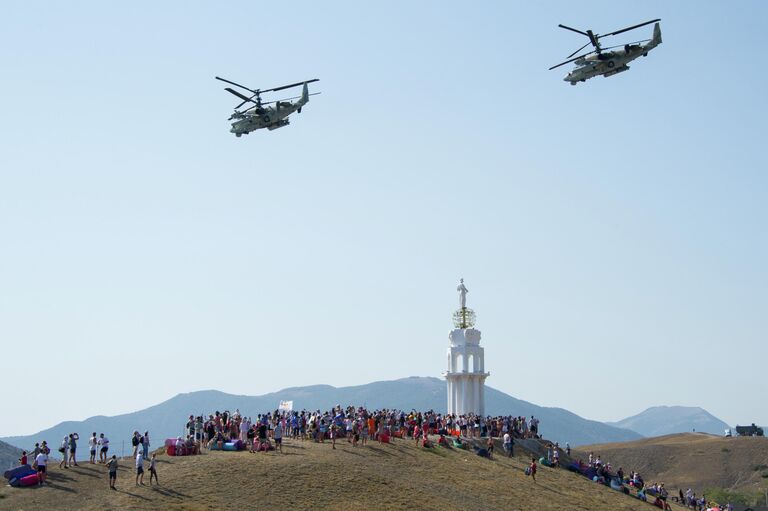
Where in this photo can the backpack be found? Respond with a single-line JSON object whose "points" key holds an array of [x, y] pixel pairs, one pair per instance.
{"points": [[135, 441]]}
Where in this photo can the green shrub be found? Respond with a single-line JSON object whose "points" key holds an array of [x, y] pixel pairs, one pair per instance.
{"points": [[723, 496]]}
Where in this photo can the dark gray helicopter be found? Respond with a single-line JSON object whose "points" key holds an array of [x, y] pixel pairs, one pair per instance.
{"points": [[259, 116], [608, 63]]}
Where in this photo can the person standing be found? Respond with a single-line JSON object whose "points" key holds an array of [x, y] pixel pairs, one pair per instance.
{"points": [[508, 445], [145, 444], [73, 438], [153, 470], [139, 468], [277, 433], [93, 443], [112, 467], [103, 448], [135, 441], [64, 450], [532, 469], [41, 460]]}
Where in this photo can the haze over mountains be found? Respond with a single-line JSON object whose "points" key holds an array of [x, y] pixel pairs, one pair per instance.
{"points": [[421, 393], [9, 455], [666, 420]]}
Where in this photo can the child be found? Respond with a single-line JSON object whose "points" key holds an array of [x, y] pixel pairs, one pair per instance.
{"points": [[112, 466], [23, 459], [153, 470], [532, 469]]}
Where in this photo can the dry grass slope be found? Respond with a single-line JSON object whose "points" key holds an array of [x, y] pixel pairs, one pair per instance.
{"points": [[695, 460], [313, 476]]}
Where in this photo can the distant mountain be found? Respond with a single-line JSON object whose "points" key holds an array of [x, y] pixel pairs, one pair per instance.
{"points": [[666, 420], [9, 456], [167, 419]]}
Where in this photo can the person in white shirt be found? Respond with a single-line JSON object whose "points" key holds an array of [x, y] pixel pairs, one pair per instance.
{"points": [[41, 460], [508, 444], [104, 447], [64, 450], [139, 468], [93, 443]]}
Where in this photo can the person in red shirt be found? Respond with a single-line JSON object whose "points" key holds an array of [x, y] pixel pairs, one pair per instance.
{"points": [[532, 469], [23, 459]]}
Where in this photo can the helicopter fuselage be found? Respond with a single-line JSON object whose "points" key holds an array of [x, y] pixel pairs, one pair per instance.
{"points": [[609, 63], [270, 117]]}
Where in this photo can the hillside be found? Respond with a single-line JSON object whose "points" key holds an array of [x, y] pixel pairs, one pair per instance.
{"points": [[167, 419], [694, 460], [667, 420], [313, 476], [9, 455]]}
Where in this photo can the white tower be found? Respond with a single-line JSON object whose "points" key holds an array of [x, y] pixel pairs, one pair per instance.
{"points": [[466, 362]]}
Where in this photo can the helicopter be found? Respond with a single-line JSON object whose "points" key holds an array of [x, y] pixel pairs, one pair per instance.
{"points": [[608, 63], [259, 116]]}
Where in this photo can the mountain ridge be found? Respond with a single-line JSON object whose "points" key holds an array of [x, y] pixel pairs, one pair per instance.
{"points": [[667, 420], [166, 419]]}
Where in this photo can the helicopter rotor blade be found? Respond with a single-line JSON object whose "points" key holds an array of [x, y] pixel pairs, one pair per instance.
{"points": [[241, 96], [235, 84], [573, 30], [291, 85], [288, 99], [577, 51], [629, 28], [623, 45], [571, 60]]}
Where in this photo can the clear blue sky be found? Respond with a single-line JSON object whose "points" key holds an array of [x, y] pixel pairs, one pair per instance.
{"points": [[612, 233]]}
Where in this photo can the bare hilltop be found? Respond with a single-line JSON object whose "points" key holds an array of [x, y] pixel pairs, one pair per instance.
{"points": [[308, 475]]}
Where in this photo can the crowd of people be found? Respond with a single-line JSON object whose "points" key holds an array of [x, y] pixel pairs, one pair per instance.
{"points": [[655, 493], [97, 446], [355, 424]]}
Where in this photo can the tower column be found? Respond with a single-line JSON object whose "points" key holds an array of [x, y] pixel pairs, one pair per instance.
{"points": [[465, 384]]}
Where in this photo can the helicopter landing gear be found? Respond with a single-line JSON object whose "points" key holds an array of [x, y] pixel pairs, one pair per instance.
{"points": [[645, 54], [238, 135]]}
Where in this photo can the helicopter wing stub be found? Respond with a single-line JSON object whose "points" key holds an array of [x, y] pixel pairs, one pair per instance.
{"points": [[629, 28]]}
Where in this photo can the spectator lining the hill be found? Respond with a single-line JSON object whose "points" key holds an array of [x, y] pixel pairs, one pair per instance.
{"points": [[92, 444], [153, 470], [104, 448], [140, 468], [112, 468]]}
